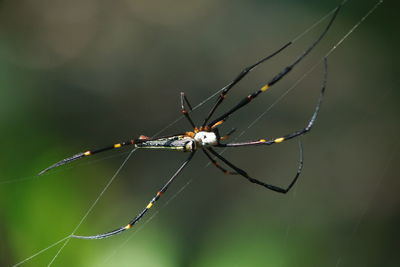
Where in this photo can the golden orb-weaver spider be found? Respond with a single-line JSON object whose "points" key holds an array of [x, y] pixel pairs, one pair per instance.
{"points": [[207, 136]]}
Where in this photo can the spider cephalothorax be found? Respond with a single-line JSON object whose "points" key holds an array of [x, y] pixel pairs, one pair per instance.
{"points": [[205, 136], [205, 139]]}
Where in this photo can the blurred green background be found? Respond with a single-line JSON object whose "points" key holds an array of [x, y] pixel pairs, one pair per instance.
{"points": [[76, 75]]}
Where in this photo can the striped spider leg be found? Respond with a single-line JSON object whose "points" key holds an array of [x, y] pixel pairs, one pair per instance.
{"points": [[144, 211], [277, 141], [263, 89]]}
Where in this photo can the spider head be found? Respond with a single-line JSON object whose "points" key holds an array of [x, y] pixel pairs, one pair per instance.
{"points": [[204, 138]]}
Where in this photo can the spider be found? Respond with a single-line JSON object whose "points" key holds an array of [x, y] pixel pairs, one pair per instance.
{"points": [[207, 137]]}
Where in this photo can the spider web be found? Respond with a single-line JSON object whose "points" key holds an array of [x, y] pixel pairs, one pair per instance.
{"points": [[256, 120]]}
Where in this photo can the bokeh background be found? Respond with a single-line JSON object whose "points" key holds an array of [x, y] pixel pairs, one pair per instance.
{"points": [[76, 75]]}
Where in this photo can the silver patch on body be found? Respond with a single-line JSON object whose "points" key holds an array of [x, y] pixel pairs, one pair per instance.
{"points": [[206, 138]]}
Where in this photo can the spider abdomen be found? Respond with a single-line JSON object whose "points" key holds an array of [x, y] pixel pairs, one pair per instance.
{"points": [[177, 143]]}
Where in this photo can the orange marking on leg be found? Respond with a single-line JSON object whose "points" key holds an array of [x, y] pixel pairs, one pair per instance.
{"points": [[217, 124], [190, 134], [143, 137], [264, 88], [87, 153]]}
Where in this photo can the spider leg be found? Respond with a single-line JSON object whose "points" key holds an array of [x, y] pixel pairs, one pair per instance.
{"points": [[253, 180], [294, 134], [184, 111], [144, 211], [87, 153], [213, 161], [226, 136], [92, 152], [276, 78], [238, 78]]}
